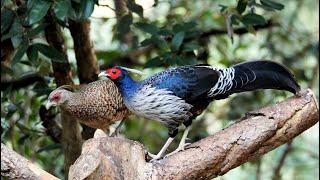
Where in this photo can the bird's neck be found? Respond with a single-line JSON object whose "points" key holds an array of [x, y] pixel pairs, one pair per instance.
{"points": [[128, 87]]}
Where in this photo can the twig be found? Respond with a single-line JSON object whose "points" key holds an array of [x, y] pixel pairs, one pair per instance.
{"points": [[258, 171], [277, 169], [106, 5], [239, 31]]}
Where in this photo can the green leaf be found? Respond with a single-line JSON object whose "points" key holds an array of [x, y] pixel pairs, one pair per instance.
{"points": [[20, 52], [149, 28], [39, 9], [17, 30], [223, 8], [160, 42], [241, 6], [146, 42], [50, 147], [272, 4], [184, 26], [165, 32], [107, 55], [8, 36], [132, 6], [154, 62], [155, 3], [177, 40], [61, 9], [35, 31], [7, 17], [235, 19], [87, 7], [251, 30], [124, 23], [253, 19], [167, 57], [32, 54], [50, 52], [190, 47]]}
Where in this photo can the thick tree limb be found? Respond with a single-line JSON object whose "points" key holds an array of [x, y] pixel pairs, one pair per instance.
{"points": [[14, 166], [253, 136], [87, 63], [86, 59]]}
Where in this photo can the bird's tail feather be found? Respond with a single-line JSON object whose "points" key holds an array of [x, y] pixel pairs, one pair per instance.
{"points": [[255, 75]]}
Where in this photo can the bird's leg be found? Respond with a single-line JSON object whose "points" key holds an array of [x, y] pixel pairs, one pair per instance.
{"points": [[117, 130], [162, 151], [182, 143]]}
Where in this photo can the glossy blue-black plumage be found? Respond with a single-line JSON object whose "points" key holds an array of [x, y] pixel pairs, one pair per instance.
{"points": [[187, 82]]}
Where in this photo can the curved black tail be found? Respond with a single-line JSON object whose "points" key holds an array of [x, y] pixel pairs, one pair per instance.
{"points": [[255, 75]]}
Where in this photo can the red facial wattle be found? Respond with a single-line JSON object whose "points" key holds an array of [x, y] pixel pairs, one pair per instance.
{"points": [[56, 97], [113, 73]]}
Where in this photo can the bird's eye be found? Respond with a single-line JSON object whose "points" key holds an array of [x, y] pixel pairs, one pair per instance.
{"points": [[114, 72]]}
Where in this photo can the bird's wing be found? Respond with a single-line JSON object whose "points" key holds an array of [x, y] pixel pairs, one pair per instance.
{"points": [[187, 82]]}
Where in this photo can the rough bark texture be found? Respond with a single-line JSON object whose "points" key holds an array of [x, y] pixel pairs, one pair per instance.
{"points": [[87, 63], [6, 52], [253, 136], [14, 166], [86, 59], [71, 136]]}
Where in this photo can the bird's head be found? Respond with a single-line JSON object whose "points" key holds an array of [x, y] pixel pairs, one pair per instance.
{"points": [[58, 97], [118, 73]]}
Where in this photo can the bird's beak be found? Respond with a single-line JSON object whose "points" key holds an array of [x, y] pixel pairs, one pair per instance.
{"points": [[48, 105], [103, 74]]}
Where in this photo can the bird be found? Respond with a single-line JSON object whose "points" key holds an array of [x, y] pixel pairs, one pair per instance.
{"points": [[97, 104], [178, 95]]}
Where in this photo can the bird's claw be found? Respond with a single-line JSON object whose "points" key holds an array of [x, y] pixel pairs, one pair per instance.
{"points": [[114, 134], [153, 156], [180, 148]]}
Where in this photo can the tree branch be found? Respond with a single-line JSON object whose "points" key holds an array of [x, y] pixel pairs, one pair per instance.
{"points": [[86, 59], [14, 166], [24, 81], [239, 31], [87, 63], [251, 137]]}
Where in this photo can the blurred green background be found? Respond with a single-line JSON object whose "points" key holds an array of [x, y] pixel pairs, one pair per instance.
{"points": [[173, 33]]}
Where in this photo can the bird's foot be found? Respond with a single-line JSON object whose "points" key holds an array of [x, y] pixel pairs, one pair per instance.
{"points": [[180, 148], [115, 133], [154, 157], [117, 130]]}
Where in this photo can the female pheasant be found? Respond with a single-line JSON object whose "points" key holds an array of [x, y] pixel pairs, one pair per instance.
{"points": [[178, 95], [97, 104]]}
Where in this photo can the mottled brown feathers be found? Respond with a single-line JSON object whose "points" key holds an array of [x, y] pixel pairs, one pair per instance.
{"points": [[97, 104]]}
